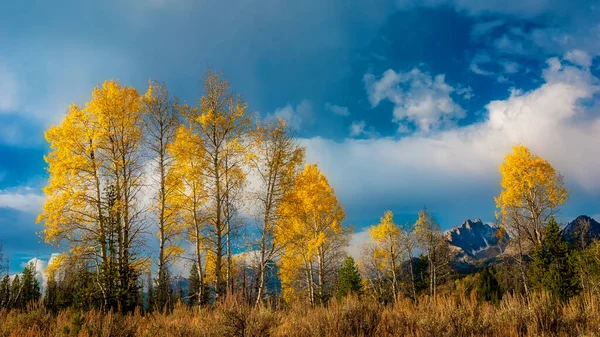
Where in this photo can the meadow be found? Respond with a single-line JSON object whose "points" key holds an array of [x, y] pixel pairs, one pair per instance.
{"points": [[447, 315]]}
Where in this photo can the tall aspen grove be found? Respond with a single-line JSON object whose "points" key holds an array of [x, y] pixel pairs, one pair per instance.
{"points": [[299, 168]]}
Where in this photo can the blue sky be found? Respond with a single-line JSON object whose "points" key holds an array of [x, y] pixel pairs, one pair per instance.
{"points": [[401, 103]]}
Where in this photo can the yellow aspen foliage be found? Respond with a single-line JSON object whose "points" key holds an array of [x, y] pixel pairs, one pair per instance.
{"points": [[222, 122], [387, 253], [95, 174], [310, 231], [211, 265], [275, 158], [72, 208], [55, 264], [531, 192], [186, 181]]}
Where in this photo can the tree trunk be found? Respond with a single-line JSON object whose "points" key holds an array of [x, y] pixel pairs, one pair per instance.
{"points": [[321, 272], [412, 276], [394, 277]]}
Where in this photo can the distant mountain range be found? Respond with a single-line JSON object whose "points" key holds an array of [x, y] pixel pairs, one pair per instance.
{"points": [[581, 231], [475, 242]]}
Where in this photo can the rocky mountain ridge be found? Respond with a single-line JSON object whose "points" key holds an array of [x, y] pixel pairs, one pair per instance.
{"points": [[476, 240]]}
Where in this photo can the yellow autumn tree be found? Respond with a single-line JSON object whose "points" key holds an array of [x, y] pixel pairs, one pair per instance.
{"points": [[386, 237], [310, 231], [119, 113], [222, 123], [95, 176], [161, 121], [72, 212], [276, 159], [531, 193], [209, 171], [189, 196]]}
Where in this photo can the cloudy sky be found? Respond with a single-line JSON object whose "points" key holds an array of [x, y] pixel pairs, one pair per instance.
{"points": [[403, 104]]}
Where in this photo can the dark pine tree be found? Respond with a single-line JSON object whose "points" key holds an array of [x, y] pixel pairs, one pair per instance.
{"points": [[488, 288], [164, 298], [5, 292], [421, 267], [30, 286], [194, 286], [552, 267], [151, 296], [15, 293], [349, 280], [50, 296]]}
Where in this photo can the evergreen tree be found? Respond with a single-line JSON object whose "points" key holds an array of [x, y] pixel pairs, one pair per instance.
{"points": [[151, 301], [30, 286], [349, 280], [194, 286], [181, 297], [50, 297], [197, 294], [552, 267], [5, 292], [421, 268], [164, 299], [15, 293], [488, 288]]}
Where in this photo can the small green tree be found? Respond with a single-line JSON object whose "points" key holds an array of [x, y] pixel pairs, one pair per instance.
{"points": [[164, 297], [5, 292], [30, 286], [488, 288], [15, 293], [552, 267], [151, 296], [194, 286], [349, 280], [50, 296]]}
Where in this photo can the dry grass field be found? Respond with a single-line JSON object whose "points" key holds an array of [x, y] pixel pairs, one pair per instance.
{"points": [[447, 316]]}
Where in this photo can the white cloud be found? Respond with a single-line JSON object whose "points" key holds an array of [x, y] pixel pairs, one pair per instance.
{"points": [[23, 200], [338, 110], [418, 98], [479, 59], [357, 242], [502, 79], [511, 45], [510, 67], [427, 168], [579, 57], [40, 267], [474, 67], [465, 92], [359, 128], [297, 116]]}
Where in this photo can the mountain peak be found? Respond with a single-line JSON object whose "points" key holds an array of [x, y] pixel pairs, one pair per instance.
{"points": [[582, 230], [475, 238]]}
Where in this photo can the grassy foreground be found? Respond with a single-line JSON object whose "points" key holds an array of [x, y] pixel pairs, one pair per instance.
{"points": [[448, 316]]}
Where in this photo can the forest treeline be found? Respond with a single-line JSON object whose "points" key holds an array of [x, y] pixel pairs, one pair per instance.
{"points": [[232, 196]]}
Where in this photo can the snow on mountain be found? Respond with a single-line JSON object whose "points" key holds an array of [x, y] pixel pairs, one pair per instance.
{"points": [[475, 239]]}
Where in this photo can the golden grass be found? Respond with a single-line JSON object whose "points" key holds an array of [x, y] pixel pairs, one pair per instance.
{"points": [[446, 316]]}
